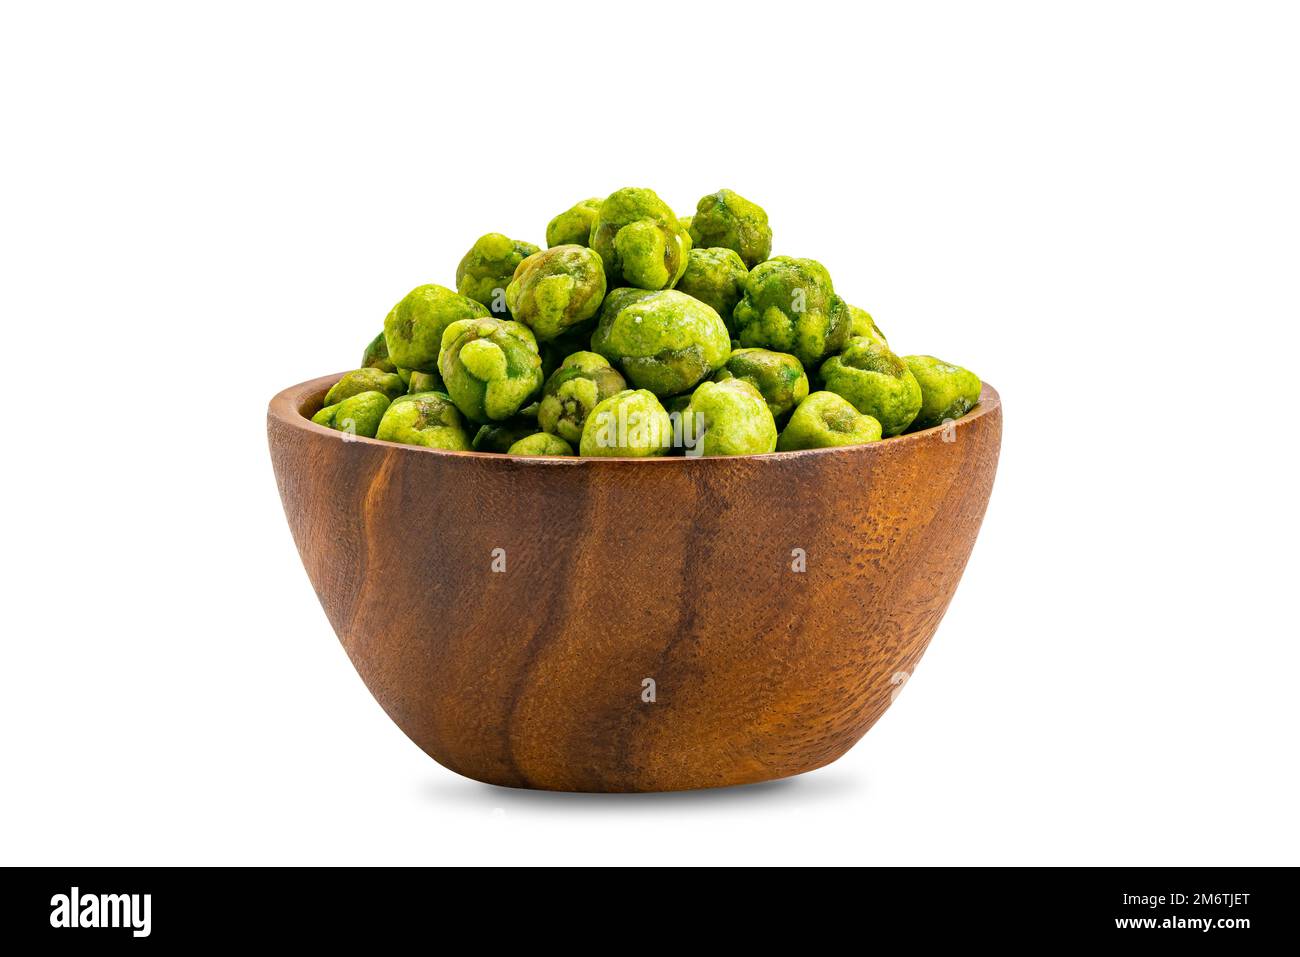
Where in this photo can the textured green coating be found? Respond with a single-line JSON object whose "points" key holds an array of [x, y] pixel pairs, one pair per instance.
{"points": [[631, 423], [573, 226], [729, 220], [639, 240], [862, 325], [360, 414], [484, 272], [733, 419], [556, 290], [824, 420], [582, 382], [325, 416], [415, 325], [777, 375], [716, 277], [499, 436], [686, 222], [429, 419], [541, 443], [425, 382], [490, 366], [947, 391], [365, 380], [790, 306], [376, 355], [877, 382], [665, 341]]}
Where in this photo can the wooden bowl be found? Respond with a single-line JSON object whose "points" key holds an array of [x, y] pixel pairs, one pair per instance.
{"points": [[633, 624]]}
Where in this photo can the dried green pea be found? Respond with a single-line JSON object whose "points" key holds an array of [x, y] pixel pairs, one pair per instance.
{"points": [[639, 240], [541, 443], [376, 355], [777, 375], [415, 325], [573, 226], [360, 414], [365, 380], [490, 366], [862, 325], [499, 436], [717, 277], [729, 220], [424, 382], [730, 418], [824, 420], [430, 419], [485, 271], [582, 382], [790, 306], [630, 423], [325, 416], [947, 391], [877, 382], [557, 289], [664, 341]]}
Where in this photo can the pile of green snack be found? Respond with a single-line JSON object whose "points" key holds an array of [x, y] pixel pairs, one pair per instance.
{"points": [[640, 333]]}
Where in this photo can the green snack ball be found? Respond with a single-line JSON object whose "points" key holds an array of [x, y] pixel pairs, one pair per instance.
{"points": [[686, 222], [825, 419], [639, 240], [360, 414], [947, 391], [717, 277], [729, 220], [730, 418], [424, 382], [665, 341], [777, 375], [541, 443], [325, 416], [630, 423], [376, 355], [582, 382], [790, 306], [429, 419], [498, 437], [405, 375], [415, 325], [491, 367], [365, 380], [862, 325], [877, 382], [573, 226], [486, 270], [556, 290]]}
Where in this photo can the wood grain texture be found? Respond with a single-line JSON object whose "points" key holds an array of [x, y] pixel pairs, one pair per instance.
{"points": [[679, 570]]}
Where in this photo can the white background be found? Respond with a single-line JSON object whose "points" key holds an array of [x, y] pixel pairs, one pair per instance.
{"points": [[1094, 206]]}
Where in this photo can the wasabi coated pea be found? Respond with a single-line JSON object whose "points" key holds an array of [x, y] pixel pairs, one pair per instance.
{"points": [[498, 437], [485, 271], [665, 341], [376, 355], [424, 382], [729, 220], [947, 391], [429, 419], [555, 290], [360, 414], [582, 382], [862, 325], [365, 380], [877, 382], [790, 306], [491, 367], [325, 416], [639, 240], [541, 443], [573, 226], [415, 325], [715, 277], [825, 419], [777, 375], [730, 418], [685, 222], [631, 423]]}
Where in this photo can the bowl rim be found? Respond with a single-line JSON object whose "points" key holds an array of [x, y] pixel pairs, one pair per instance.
{"points": [[286, 408]]}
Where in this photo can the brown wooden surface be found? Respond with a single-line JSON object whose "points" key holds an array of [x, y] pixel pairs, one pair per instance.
{"points": [[619, 570]]}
